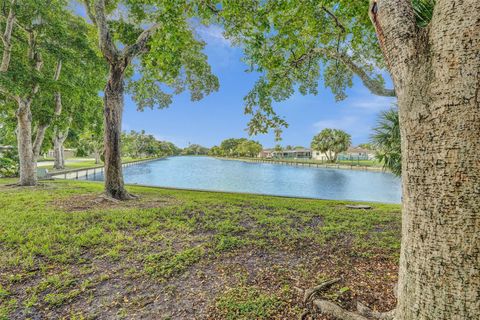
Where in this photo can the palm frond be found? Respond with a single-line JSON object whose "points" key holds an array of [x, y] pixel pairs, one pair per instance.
{"points": [[423, 11]]}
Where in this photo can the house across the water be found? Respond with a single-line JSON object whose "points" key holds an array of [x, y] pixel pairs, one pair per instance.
{"points": [[353, 153], [357, 153]]}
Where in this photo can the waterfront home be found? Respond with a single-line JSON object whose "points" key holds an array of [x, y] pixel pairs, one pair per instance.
{"points": [[357, 153], [320, 156], [266, 153], [286, 154], [293, 154]]}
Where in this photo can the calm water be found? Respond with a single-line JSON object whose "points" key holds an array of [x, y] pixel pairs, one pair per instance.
{"points": [[238, 176]]}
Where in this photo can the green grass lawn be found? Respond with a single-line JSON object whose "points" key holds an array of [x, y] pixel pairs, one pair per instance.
{"points": [[173, 254]]}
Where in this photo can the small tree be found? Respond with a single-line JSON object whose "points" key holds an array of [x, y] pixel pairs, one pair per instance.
{"points": [[387, 141], [331, 142]]}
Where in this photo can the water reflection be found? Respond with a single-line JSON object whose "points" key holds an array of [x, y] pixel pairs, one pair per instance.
{"points": [[238, 176]]}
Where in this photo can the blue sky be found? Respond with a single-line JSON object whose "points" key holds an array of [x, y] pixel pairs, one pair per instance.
{"points": [[220, 115]]}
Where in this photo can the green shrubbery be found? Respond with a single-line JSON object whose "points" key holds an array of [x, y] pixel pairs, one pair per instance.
{"points": [[8, 165]]}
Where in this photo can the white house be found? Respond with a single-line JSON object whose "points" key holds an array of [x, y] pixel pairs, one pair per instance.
{"points": [[357, 153], [321, 156]]}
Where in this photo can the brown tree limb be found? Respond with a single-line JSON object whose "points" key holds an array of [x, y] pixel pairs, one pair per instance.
{"points": [[334, 17], [140, 44], [369, 313], [7, 38], [88, 9], [39, 137], [106, 43], [397, 32], [330, 308], [373, 85], [310, 292]]}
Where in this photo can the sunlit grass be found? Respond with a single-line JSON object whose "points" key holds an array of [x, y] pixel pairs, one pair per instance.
{"points": [[47, 235]]}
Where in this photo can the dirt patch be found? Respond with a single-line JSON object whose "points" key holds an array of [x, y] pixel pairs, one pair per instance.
{"points": [[89, 201]]}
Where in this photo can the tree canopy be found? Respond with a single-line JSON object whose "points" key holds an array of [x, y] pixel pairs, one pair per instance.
{"points": [[296, 44], [233, 147]]}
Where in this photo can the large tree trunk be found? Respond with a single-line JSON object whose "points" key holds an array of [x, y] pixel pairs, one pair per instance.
{"points": [[58, 149], [113, 103], [436, 72], [28, 165]]}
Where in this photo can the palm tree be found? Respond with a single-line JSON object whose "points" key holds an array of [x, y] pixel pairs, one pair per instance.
{"points": [[387, 142], [331, 142]]}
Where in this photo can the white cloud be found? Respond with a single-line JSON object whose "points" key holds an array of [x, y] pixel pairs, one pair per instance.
{"points": [[346, 123], [371, 103], [213, 34], [356, 126]]}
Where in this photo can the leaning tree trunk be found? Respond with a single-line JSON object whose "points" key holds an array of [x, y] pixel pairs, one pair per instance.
{"points": [[28, 165], [113, 104], [436, 72]]}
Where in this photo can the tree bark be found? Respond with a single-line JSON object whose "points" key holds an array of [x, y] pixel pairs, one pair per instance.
{"points": [[96, 153], [113, 102], [39, 137], [113, 98], [28, 165], [436, 72], [7, 38], [59, 161], [58, 149]]}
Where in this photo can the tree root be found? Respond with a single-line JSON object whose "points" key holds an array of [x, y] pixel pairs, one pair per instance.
{"points": [[327, 307], [104, 197], [310, 292], [332, 309], [369, 313]]}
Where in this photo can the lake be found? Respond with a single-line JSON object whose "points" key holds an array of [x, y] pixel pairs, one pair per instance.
{"points": [[264, 178]]}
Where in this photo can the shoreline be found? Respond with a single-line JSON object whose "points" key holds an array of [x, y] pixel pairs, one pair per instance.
{"points": [[307, 164]]}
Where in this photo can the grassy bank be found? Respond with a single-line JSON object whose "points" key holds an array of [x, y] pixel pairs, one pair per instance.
{"points": [[79, 163], [341, 164], [172, 254]]}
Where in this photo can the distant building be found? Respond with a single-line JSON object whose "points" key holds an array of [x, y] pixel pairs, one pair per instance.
{"points": [[266, 153], [318, 155], [357, 153], [286, 154]]}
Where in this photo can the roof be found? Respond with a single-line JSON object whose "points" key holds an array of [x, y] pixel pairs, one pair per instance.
{"points": [[295, 151], [358, 150]]}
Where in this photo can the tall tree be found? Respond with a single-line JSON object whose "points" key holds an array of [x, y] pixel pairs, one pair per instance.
{"points": [[154, 39], [331, 142], [40, 40], [435, 68]]}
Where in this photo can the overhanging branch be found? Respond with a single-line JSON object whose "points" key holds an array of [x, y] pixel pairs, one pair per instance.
{"points": [[373, 85], [141, 44]]}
